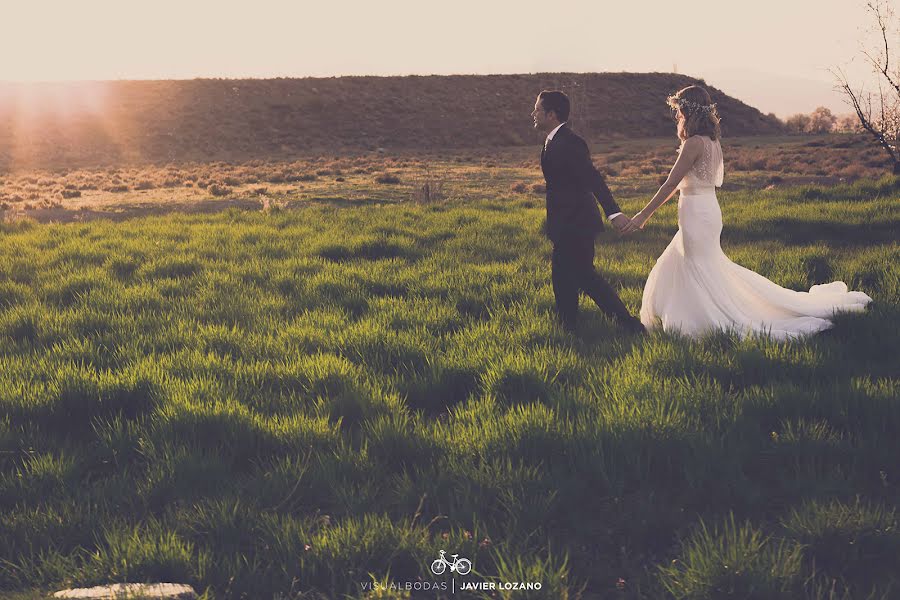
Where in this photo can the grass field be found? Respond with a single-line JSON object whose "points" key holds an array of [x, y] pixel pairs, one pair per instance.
{"points": [[290, 403], [633, 166]]}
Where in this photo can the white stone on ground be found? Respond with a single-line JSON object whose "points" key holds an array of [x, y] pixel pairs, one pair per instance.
{"points": [[117, 591]]}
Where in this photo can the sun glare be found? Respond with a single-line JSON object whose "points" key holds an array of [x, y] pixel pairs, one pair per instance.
{"points": [[57, 100], [59, 120]]}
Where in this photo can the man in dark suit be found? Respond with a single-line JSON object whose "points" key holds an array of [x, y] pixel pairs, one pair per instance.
{"points": [[574, 186]]}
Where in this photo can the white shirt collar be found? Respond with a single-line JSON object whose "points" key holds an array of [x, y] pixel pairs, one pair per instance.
{"points": [[555, 129]]}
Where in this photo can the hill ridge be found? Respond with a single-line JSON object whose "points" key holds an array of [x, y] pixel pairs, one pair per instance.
{"points": [[87, 123]]}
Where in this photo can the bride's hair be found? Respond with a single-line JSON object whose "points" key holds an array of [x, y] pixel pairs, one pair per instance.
{"points": [[700, 115]]}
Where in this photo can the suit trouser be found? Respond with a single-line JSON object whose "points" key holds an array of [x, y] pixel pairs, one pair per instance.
{"points": [[572, 265]]}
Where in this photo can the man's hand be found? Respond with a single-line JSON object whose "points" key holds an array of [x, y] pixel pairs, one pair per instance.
{"points": [[620, 222], [635, 223]]}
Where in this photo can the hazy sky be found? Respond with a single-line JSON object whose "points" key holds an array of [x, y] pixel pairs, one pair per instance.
{"points": [[745, 48]]}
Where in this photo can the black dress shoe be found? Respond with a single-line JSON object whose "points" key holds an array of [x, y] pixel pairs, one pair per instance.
{"points": [[634, 325]]}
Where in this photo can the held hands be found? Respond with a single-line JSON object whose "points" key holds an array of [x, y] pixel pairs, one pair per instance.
{"points": [[636, 222], [620, 222]]}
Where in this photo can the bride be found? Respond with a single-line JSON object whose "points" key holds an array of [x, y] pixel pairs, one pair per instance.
{"points": [[694, 288]]}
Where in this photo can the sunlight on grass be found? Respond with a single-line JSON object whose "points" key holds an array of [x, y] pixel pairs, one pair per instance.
{"points": [[310, 399]]}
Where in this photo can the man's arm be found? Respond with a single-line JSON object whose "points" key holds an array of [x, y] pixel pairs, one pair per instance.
{"points": [[590, 177]]}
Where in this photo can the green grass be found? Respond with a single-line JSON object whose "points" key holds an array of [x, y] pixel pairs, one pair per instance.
{"points": [[290, 404]]}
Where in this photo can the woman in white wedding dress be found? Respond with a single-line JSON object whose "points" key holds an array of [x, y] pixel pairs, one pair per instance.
{"points": [[694, 288]]}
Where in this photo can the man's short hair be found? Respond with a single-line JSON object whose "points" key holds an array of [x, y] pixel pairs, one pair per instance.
{"points": [[556, 101]]}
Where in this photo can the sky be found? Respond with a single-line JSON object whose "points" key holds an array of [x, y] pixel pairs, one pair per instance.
{"points": [[773, 54]]}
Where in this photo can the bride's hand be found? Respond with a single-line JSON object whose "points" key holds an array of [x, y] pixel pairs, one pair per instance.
{"points": [[637, 222], [641, 219]]}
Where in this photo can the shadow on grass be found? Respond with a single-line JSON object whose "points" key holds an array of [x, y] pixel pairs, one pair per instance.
{"points": [[803, 232]]}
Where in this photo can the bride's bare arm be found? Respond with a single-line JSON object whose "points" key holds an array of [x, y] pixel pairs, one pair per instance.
{"points": [[691, 150]]}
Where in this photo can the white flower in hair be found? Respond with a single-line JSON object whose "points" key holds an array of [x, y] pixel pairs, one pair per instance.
{"points": [[691, 106]]}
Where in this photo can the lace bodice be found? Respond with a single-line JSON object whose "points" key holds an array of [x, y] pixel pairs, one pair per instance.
{"points": [[709, 170]]}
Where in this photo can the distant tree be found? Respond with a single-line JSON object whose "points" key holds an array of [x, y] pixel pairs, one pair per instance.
{"points": [[798, 123], [848, 124], [821, 121], [879, 112]]}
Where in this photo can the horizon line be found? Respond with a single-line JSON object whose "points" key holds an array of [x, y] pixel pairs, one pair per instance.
{"points": [[277, 77]]}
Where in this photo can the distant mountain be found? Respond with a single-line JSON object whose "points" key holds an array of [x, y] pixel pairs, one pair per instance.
{"points": [[89, 123]]}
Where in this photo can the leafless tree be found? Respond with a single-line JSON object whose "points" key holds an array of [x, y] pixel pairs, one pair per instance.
{"points": [[798, 123], [878, 112], [821, 120]]}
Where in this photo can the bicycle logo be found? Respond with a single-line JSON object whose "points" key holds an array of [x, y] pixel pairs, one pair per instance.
{"points": [[460, 565]]}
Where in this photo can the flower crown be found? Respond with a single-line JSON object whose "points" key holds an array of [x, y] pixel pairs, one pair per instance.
{"points": [[690, 105]]}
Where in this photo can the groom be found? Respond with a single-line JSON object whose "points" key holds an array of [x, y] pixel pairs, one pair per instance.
{"points": [[573, 219]]}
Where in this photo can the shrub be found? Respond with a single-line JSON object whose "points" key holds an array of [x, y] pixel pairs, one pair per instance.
{"points": [[387, 178], [217, 189], [428, 191], [853, 172]]}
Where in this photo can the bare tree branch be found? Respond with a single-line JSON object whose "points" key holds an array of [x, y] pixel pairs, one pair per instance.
{"points": [[882, 14], [885, 127]]}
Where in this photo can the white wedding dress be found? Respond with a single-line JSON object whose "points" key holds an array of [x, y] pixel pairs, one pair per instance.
{"points": [[694, 288]]}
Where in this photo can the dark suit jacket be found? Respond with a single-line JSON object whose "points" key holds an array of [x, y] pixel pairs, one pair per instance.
{"points": [[573, 183]]}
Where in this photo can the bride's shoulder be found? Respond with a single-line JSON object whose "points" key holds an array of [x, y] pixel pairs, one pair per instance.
{"points": [[692, 145], [703, 139]]}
